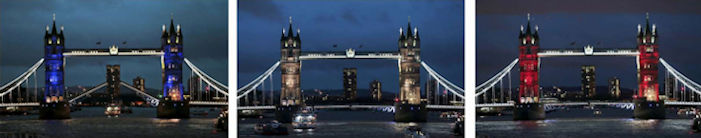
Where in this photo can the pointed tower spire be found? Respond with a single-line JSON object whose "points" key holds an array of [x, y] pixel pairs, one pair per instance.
{"points": [[53, 27], [289, 30], [528, 24], [298, 34], [408, 28], [416, 35], [172, 27], [536, 31], [647, 23]]}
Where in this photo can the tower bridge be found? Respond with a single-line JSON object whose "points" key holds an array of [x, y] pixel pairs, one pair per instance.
{"points": [[527, 106], [407, 108], [55, 105]]}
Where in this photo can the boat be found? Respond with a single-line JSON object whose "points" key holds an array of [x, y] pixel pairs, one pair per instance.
{"points": [[459, 127], [112, 110], [250, 113], [597, 112], [451, 114], [416, 132], [270, 128], [222, 123], [305, 119], [696, 123]]}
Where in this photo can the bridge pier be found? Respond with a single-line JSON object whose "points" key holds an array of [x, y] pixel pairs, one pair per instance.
{"points": [[529, 111], [54, 110], [410, 112], [648, 109], [173, 109], [284, 113]]}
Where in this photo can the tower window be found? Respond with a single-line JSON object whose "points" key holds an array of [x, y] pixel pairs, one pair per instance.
{"points": [[49, 41]]}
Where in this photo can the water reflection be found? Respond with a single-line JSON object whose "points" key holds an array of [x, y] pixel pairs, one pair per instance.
{"points": [[91, 122]]}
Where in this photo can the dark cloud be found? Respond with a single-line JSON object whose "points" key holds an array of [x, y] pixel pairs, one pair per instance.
{"points": [[265, 9], [587, 6]]}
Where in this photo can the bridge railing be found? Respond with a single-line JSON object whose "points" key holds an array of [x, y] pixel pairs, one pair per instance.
{"points": [[458, 91], [221, 88], [7, 88], [243, 91], [489, 84], [152, 100], [73, 100]]}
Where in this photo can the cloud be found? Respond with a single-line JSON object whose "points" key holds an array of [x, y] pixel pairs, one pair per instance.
{"points": [[586, 6], [265, 9]]}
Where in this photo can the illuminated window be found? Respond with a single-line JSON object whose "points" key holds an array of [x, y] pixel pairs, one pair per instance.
{"points": [[649, 49], [523, 41], [58, 41], [414, 43], [652, 40], [49, 41], [533, 41], [177, 40], [285, 44], [168, 41]]}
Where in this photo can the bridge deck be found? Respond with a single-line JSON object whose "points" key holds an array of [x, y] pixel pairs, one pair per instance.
{"points": [[348, 55]]}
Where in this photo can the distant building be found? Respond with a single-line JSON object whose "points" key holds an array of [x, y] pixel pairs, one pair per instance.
{"points": [[588, 81], [139, 84], [669, 88], [432, 94], [376, 90], [113, 81], [350, 85], [615, 87], [193, 87]]}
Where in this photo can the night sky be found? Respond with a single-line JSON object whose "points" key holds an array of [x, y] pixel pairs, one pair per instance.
{"points": [[23, 23], [610, 24], [349, 24]]}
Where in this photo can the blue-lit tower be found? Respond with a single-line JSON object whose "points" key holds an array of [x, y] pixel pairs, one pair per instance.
{"points": [[172, 105], [54, 104]]}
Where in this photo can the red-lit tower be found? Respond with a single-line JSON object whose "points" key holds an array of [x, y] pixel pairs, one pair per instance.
{"points": [[647, 101], [528, 107], [528, 65]]}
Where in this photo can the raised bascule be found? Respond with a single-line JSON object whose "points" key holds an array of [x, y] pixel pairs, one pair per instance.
{"points": [[408, 107], [646, 104], [55, 104]]}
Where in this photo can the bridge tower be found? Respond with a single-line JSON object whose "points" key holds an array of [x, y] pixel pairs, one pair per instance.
{"points": [[173, 104], [647, 101], [528, 106], [409, 107], [54, 105], [290, 91]]}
